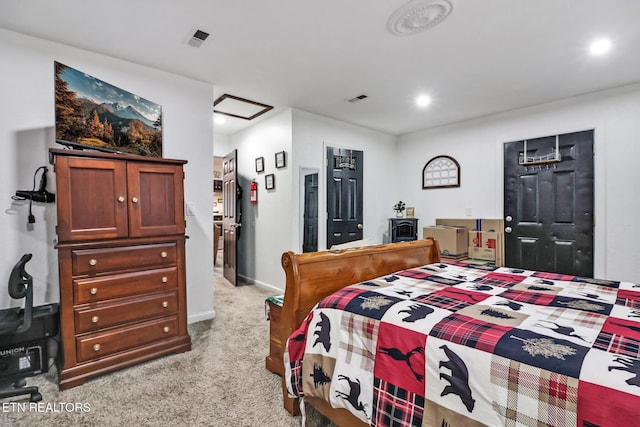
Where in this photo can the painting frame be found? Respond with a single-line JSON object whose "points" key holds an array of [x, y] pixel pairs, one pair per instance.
{"points": [[91, 113], [259, 164], [281, 160], [270, 181]]}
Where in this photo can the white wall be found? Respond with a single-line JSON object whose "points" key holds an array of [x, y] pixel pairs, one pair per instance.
{"points": [[478, 147], [266, 226], [27, 131], [311, 135], [221, 144], [274, 225]]}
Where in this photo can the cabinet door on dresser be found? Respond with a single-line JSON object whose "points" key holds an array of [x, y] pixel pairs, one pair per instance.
{"points": [[156, 199], [92, 195]]}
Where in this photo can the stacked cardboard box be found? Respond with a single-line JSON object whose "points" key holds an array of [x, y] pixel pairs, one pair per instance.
{"points": [[486, 238], [453, 241]]}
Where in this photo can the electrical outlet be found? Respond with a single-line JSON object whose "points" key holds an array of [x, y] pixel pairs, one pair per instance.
{"points": [[191, 209], [467, 212]]}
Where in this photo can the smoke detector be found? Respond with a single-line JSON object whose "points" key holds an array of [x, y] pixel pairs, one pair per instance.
{"points": [[418, 15]]}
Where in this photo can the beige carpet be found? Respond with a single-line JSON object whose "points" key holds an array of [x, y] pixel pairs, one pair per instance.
{"points": [[222, 381]]}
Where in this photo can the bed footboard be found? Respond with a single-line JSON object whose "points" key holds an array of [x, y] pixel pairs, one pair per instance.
{"points": [[313, 276]]}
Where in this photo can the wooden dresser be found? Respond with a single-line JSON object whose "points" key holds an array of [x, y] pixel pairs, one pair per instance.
{"points": [[121, 252]]}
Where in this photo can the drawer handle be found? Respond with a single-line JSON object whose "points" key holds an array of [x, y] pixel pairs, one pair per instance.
{"points": [[96, 347], [93, 261], [121, 199], [163, 254], [165, 279], [94, 319], [134, 199], [165, 304], [93, 291], [165, 329]]}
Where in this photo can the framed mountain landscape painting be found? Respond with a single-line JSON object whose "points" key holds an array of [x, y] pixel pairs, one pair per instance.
{"points": [[94, 114]]}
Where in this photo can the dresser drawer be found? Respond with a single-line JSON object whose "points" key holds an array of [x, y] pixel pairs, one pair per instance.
{"points": [[125, 311], [91, 261], [102, 344], [123, 285]]}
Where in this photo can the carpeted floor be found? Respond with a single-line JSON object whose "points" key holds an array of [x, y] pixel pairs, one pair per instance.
{"points": [[222, 381]]}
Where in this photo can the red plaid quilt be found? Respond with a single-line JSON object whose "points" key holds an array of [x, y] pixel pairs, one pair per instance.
{"points": [[470, 345]]}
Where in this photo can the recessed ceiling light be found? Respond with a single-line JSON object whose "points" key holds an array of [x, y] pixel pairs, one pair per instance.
{"points": [[219, 120], [600, 46], [423, 101]]}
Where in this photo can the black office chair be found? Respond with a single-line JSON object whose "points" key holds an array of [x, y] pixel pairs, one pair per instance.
{"points": [[13, 322]]}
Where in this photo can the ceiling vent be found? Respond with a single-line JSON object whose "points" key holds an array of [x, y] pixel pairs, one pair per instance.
{"points": [[357, 98], [198, 38], [418, 15]]}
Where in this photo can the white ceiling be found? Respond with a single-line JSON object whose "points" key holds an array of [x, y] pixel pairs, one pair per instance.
{"points": [[488, 56]]}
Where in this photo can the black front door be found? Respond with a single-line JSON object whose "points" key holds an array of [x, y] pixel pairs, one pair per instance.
{"points": [[344, 196], [548, 205], [310, 234]]}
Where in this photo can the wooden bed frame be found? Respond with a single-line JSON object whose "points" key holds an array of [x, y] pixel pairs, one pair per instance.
{"points": [[313, 276]]}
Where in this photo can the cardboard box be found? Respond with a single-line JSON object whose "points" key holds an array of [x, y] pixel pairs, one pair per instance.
{"points": [[481, 224], [484, 254], [453, 241], [484, 239]]}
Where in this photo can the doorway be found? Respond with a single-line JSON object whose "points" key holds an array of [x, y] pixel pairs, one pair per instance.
{"points": [[549, 204], [310, 215], [344, 195], [217, 209]]}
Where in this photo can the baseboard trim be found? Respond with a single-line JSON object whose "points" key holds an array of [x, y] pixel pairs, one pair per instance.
{"points": [[211, 314], [252, 281]]}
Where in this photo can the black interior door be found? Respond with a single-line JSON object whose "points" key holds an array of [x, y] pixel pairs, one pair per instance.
{"points": [[344, 196], [310, 220], [548, 207], [230, 220]]}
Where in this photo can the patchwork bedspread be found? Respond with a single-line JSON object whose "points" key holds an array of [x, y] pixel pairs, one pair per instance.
{"points": [[470, 345]]}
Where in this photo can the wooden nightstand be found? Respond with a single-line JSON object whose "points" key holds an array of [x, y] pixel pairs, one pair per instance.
{"points": [[274, 361]]}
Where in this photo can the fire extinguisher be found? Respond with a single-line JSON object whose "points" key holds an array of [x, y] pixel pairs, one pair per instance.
{"points": [[253, 193]]}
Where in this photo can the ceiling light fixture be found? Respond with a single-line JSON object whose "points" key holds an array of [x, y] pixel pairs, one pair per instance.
{"points": [[219, 120], [423, 101], [418, 15], [241, 108], [600, 47]]}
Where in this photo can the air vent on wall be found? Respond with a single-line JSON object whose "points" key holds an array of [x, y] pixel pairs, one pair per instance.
{"points": [[357, 98], [198, 38]]}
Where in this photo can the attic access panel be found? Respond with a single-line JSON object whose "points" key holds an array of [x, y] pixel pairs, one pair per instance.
{"points": [[241, 108]]}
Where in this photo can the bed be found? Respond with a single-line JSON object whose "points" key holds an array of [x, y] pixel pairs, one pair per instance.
{"points": [[388, 335]]}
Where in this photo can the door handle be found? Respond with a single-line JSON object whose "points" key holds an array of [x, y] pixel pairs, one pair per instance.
{"points": [[235, 224], [508, 230], [359, 226]]}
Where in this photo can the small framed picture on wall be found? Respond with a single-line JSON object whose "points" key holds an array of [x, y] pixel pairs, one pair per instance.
{"points": [[260, 164], [280, 160], [270, 181]]}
